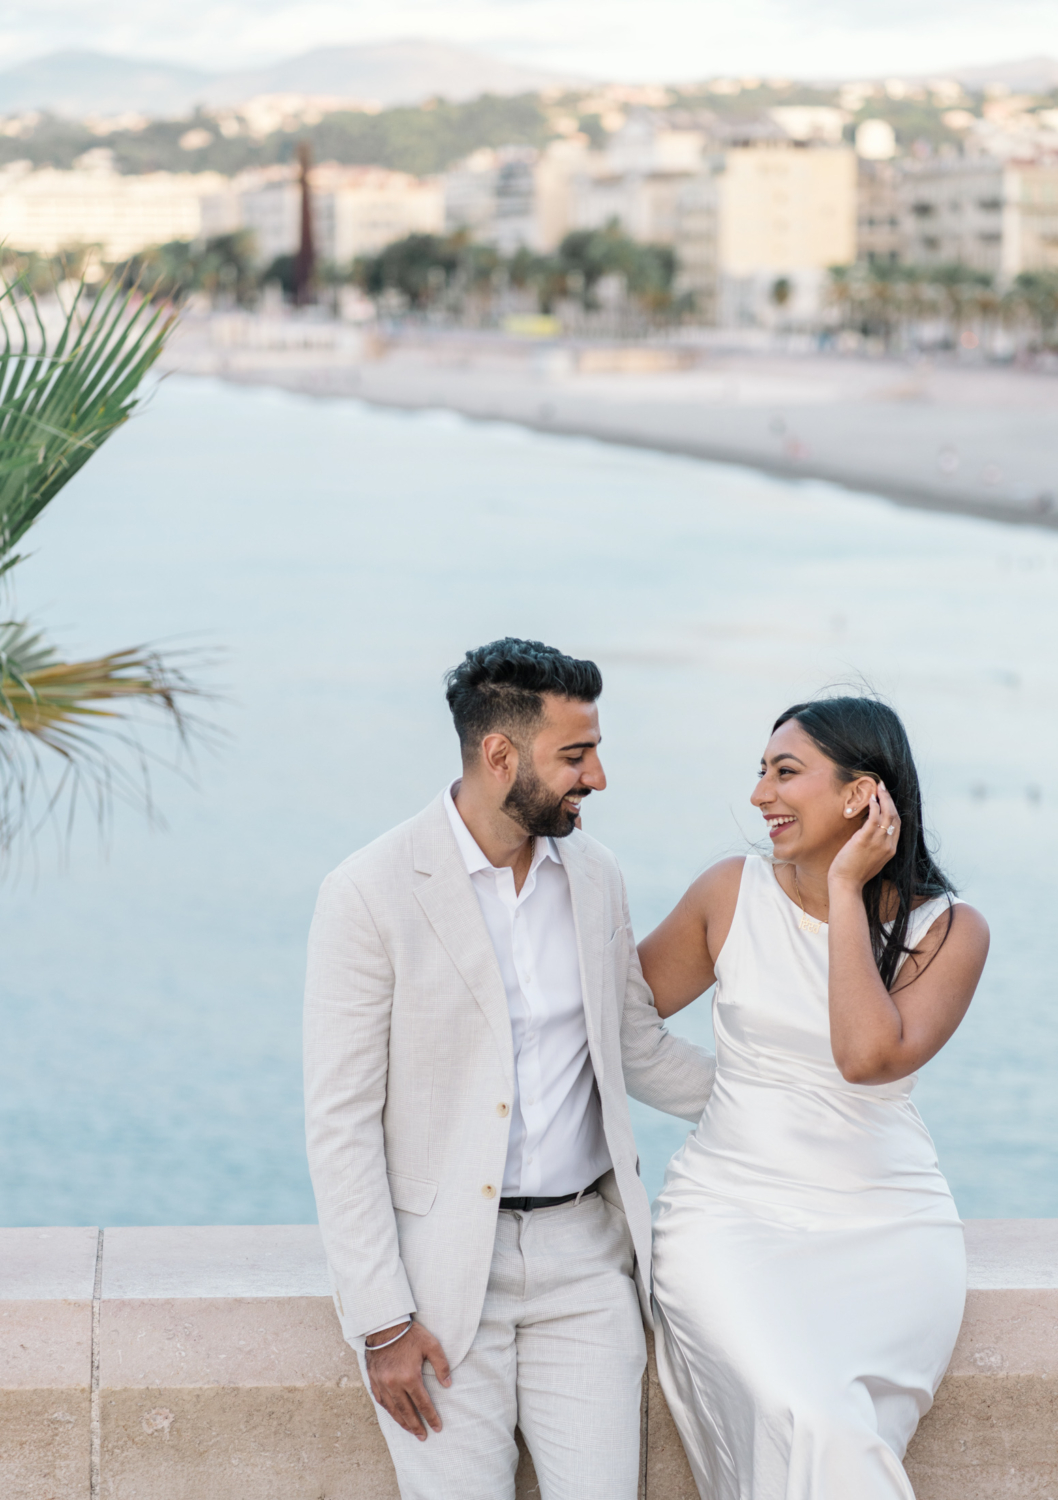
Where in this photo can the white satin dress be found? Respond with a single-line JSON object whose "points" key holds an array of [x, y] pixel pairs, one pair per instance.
{"points": [[809, 1266]]}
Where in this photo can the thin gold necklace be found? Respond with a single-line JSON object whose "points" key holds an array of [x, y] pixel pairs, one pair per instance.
{"points": [[807, 923]]}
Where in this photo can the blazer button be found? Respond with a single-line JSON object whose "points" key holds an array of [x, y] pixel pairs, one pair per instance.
{"points": [[488, 1191], [503, 1109]]}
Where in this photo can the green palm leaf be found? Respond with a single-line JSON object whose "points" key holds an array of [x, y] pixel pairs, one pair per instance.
{"points": [[58, 405], [61, 398]]}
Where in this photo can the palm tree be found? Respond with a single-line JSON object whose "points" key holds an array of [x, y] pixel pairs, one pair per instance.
{"points": [[62, 394]]}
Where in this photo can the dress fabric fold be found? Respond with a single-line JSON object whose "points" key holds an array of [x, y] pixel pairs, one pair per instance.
{"points": [[809, 1264]]}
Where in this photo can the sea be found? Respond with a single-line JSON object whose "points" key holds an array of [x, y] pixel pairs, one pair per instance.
{"points": [[323, 562]]}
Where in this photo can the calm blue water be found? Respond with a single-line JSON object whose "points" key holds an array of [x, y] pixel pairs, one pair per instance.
{"points": [[344, 558]]}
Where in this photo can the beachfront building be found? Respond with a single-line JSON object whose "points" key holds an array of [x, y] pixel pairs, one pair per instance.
{"points": [[492, 195], [516, 196], [49, 210], [878, 230], [998, 216], [638, 179], [559, 167], [356, 210], [758, 227]]}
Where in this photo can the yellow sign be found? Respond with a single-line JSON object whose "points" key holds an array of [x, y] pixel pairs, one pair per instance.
{"points": [[532, 325]]}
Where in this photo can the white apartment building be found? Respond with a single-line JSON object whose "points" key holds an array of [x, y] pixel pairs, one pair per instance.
{"points": [[492, 194], [999, 216], [356, 210], [758, 227], [50, 210], [638, 179], [878, 231], [558, 169], [515, 196]]}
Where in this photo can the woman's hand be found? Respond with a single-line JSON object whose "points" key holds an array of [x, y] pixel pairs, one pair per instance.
{"points": [[872, 846]]}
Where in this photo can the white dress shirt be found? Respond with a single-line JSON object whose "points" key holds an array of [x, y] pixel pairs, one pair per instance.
{"points": [[556, 1143]]}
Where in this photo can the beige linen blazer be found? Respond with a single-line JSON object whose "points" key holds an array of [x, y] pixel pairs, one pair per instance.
{"points": [[409, 1073]]}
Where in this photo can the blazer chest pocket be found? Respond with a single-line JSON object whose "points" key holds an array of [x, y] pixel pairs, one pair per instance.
{"points": [[412, 1195]]}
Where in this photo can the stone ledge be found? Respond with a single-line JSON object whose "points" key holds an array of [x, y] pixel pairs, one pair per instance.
{"points": [[221, 1373]]}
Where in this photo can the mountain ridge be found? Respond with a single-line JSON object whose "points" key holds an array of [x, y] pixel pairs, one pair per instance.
{"points": [[79, 83], [76, 83]]}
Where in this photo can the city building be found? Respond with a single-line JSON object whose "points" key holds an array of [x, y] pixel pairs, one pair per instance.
{"points": [[998, 216], [697, 240], [759, 226], [356, 210], [558, 169], [878, 230], [492, 195], [638, 179], [94, 205]]}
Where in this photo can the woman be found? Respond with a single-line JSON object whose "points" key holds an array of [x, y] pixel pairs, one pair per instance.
{"points": [[809, 1265]]}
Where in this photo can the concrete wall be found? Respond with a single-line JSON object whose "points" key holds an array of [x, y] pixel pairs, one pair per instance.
{"points": [[207, 1364]]}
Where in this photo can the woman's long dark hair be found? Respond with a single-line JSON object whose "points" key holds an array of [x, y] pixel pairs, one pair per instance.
{"points": [[864, 737]]}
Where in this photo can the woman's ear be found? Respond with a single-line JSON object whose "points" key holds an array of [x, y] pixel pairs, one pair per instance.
{"points": [[858, 795]]}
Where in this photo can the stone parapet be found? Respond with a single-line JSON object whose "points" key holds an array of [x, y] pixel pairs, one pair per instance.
{"points": [[207, 1364]]}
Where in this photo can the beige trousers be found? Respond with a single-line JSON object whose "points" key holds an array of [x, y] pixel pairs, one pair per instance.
{"points": [[559, 1352]]}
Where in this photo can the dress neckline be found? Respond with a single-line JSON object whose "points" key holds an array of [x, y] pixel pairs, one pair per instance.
{"points": [[949, 900], [789, 899]]}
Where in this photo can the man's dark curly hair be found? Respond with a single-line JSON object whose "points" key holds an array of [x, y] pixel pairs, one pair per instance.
{"points": [[499, 687]]}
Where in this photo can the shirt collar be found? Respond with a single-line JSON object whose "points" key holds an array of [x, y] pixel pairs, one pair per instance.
{"points": [[469, 848]]}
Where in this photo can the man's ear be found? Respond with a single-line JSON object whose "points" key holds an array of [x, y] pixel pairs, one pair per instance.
{"points": [[499, 758]]}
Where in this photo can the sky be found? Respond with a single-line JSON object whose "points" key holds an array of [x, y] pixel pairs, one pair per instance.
{"points": [[648, 40]]}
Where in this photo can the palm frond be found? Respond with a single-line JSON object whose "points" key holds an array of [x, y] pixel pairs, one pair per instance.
{"points": [[70, 728], [47, 703], [57, 700], [60, 399]]}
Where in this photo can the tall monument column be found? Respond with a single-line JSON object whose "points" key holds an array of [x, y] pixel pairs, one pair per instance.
{"points": [[305, 261]]}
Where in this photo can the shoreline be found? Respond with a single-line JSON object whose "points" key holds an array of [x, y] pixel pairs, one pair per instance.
{"points": [[975, 442]]}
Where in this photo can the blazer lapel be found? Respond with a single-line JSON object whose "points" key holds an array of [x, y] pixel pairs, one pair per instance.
{"points": [[451, 907], [586, 893]]}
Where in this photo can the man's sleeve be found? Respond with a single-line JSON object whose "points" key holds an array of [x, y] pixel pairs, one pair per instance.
{"points": [[662, 1070], [348, 1002]]}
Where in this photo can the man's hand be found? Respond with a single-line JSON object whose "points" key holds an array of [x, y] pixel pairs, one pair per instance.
{"points": [[396, 1376]]}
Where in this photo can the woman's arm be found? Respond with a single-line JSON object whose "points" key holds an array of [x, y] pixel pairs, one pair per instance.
{"points": [[679, 956], [877, 1036]]}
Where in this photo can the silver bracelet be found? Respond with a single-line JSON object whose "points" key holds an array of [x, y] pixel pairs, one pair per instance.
{"points": [[374, 1348]]}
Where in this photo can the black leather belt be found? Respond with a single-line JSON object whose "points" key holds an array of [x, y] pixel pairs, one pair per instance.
{"points": [[522, 1204]]}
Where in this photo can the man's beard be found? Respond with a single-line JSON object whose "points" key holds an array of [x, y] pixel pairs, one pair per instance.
{"points": [[538, 810]]}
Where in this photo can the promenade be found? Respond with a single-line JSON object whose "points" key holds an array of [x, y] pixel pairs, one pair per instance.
{"points": [[976, 439]]}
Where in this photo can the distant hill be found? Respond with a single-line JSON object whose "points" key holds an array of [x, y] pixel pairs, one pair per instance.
{"points": [[78, 83], [404, 72], [1031, 75]]}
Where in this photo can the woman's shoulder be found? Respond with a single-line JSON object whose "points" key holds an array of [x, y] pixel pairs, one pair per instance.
{"points": [[713, 898], [941, 916], [721, 880]]}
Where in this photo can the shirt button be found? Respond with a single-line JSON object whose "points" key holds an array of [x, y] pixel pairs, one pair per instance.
{"points": [[488, 1191], [503, 1109]]}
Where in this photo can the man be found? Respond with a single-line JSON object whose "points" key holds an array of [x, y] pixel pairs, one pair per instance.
{"points": [[474, 1013]]}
